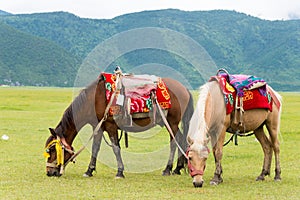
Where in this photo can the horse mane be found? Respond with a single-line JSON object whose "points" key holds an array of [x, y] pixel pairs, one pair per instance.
{"points": [[198, 126], [68, 119]]}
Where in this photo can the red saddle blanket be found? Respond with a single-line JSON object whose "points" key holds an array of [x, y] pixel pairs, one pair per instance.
{"points": [[251, 99], [138, 89]]}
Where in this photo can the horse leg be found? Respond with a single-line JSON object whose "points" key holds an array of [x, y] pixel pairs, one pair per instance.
{"points": [[218, 154], [95, 150], [273, 132], [181, 160], [267, 149], [167, 171], [117, 151]]}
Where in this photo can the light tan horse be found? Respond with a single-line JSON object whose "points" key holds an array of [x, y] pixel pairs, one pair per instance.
{"points": [[210, 123]]}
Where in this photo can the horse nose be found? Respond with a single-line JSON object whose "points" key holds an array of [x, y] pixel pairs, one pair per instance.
{"points": [[53, 173], [49, 173], [198, 184]]}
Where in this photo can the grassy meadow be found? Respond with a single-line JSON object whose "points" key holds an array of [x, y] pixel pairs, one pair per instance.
{"points": [[26, 113]]}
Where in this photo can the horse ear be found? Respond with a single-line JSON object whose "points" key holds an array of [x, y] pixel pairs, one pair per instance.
{"points": [[52, 132], [189, 140]]}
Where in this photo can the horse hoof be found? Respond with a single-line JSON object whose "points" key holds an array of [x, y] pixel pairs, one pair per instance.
{"points": [[176, 172], [277, 179], [119, 175], [216, 181], [89, 172], [213, 183], [166, 173], [87, 175], [260, 178]]}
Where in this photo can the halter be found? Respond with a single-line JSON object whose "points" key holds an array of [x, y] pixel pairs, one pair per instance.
{"points": [[193, 172], [60, 147], [60, 157]]}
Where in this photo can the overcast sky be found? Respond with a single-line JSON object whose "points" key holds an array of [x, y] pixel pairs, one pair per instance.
{"points": [[106, 9]]}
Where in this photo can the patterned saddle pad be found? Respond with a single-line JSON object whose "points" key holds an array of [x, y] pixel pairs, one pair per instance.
{"points": [[136, 93], [254, 97]]}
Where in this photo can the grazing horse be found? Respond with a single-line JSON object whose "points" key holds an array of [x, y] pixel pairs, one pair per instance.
{"points": [[89, 108], [210, 122]]}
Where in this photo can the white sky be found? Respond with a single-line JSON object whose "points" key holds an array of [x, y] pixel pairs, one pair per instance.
{"points": [[100, 9]]}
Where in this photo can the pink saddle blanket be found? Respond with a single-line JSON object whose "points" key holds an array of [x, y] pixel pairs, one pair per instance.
{"points": [[138, 90]]}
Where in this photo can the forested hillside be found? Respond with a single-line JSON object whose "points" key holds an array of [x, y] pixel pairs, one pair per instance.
{"points": [[51, 46], [29, 60]]}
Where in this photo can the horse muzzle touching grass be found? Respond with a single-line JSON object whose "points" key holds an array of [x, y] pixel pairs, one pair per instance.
{"points": [[55, 165], [53, 171], [197, 157], [57, 153]]}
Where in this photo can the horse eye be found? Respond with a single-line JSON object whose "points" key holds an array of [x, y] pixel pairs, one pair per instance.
{"points": [[190, 158]]}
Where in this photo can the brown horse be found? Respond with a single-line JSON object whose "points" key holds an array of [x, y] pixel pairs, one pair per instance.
{"points": [[210, 122], [89, 107]]}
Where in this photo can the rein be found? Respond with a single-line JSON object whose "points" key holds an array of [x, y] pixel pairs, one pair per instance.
{"points": [[169, 129], [60, 147], [100, 123]]}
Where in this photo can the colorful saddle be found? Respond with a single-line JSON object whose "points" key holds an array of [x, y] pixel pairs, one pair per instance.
{"points": [[250, 90], [136, 94]]}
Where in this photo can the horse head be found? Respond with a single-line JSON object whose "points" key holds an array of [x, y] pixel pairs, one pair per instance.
{"points": [[197, 154], [57, 153]]}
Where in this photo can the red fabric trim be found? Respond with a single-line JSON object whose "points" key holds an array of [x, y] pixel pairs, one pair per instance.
{"points": [[140, 104], [252, 99]]}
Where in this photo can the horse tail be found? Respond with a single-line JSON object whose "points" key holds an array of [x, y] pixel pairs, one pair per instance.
{"points": [[185, 122], [277, 99]]}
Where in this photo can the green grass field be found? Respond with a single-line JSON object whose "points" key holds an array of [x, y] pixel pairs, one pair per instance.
{"points": [[27, 113]]}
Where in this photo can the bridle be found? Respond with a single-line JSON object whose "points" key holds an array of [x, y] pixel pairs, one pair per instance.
{"points": [[60, 147], [60, 155], [193, 172]]}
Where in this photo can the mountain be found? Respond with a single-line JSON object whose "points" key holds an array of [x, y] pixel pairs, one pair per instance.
{"points": [[235, 41], [29, 60], [4, 13]]}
